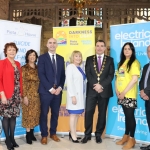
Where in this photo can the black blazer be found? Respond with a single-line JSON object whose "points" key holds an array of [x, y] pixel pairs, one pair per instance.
{"points": [[105, 78], [141, 83]]}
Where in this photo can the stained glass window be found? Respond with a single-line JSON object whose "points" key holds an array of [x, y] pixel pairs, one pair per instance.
{"points": [[82, 21], [98, 13], [65, 13]]}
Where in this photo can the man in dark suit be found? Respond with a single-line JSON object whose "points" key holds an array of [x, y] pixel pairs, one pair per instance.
{"points": [[144, 86], [99, 70], [51, 73]]}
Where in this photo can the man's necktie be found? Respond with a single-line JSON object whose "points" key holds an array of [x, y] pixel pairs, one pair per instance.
{"points": [[54, 67], [146, 76], [99, 63]]}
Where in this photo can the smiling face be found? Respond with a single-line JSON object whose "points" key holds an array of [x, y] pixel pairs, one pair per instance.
{"points": [[32, 58], [11, 52], [127, 51], [100, 48], [52, 45], [77, 58]]}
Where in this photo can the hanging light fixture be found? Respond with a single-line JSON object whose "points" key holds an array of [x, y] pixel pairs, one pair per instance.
{"points": [[80, 4]]}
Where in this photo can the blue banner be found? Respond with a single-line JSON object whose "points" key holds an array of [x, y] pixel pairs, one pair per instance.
{"points": [[139, 35]]}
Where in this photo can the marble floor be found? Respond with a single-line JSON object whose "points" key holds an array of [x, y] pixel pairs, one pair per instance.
{"points": [[65, 144]]}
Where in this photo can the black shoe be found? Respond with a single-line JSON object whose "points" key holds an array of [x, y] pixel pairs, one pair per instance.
{"points": [[70, 138], [145, 148], [32, 135], [15, 145], [8, 144], [28, 138], [13, 142], [85, 139], [98, 139]]}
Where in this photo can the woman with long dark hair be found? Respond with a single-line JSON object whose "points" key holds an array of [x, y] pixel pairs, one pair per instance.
{"points": [[126, 90], [31, 100]]}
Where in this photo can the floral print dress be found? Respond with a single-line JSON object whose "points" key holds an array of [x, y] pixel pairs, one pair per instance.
{"points": [[12, 108]]}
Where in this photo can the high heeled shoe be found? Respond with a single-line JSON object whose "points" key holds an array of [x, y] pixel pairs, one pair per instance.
{"points": [[70, 138], [13, 142], [78, 138], [15, 145], [9, 145]]}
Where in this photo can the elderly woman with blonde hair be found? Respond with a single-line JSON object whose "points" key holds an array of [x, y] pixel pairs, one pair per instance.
{"points": [[75, 78]]}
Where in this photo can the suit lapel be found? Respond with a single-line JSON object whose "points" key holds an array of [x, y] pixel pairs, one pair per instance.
{"points": [[96, 63], [57, 64], [103, 63], [146, 68]]}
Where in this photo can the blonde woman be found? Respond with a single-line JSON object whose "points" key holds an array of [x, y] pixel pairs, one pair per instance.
{"points": [[75, 78]]}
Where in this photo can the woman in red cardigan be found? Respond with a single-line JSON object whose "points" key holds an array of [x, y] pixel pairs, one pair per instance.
{"points": [[10, 93]]}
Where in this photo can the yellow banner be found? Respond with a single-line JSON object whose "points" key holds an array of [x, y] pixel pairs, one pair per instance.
{"points": [[70, 39]]}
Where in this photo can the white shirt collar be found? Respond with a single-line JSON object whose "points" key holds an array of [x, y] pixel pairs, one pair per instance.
{"points": [[100, 55], [51, 54]]}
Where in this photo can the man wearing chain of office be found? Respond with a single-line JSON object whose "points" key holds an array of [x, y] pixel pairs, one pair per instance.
{"points": [[99, 70]]}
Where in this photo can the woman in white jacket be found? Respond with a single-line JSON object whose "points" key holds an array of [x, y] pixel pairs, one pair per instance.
{"points": [[75, 78]]}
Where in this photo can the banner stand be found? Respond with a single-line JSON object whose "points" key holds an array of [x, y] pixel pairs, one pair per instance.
{"points": [[26, 37], [139, 35]]}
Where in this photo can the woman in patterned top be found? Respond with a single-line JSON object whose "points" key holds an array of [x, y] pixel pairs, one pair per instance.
{"points": [[31, 102], [126, 90], [10, 93]]}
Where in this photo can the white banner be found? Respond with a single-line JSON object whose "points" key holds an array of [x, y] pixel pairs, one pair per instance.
{"points": [[26, 36]]}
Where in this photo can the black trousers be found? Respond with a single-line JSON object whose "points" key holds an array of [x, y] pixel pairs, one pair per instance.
{"points": [[147, 108], [130, 123], [91, 102]]}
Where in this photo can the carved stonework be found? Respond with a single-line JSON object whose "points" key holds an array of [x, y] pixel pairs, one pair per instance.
{"points": [[4, 9], [49, 13]]}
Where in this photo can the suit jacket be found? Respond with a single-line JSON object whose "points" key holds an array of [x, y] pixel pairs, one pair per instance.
{"points": [[106, 76], [46, 72], [7, 77], [141, 83]]}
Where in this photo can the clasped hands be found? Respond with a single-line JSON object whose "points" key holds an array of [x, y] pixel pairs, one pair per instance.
{"points": [[143, 95], [98, 88], [56, 91], [120, 95]]}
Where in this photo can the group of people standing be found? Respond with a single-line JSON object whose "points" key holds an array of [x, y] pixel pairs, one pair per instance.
{"points": [[19, 85], [39, 88]]}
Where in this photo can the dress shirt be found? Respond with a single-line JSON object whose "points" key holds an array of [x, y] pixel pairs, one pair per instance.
{"points": [[102, 57], [51, 55]]}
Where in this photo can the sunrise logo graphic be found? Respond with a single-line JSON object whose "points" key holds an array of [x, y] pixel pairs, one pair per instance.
{"points": [[61, 38]]}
